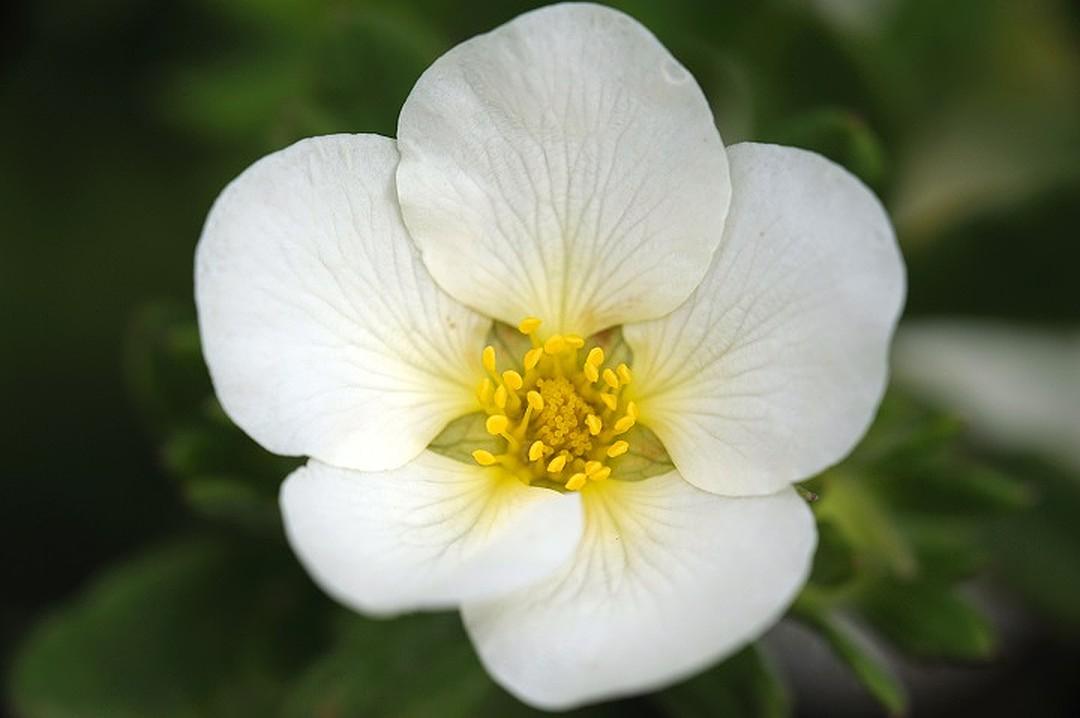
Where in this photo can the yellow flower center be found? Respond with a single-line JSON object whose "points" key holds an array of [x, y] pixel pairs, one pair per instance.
{"points": [[561, 415]]}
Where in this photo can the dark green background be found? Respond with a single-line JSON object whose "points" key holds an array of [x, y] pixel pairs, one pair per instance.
{"points": [[121, 120]]}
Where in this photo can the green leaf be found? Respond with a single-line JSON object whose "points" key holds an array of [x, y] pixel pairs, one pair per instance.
{"points": [[834, 559], [421, 665], [164, 367], [233, 501], [928, 620], [850, 503], [839, 134], [192, 629], [743, 685], [1036, 551], [855, 650]]}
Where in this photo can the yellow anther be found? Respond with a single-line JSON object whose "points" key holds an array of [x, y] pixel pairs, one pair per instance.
{"points": [[609, 400], [532, 358], [591, 372], [591, 467], [601, 474], [484, 458], [575, 482], [536, 451], [555, 344], [557, 464], [488, 358], [529, 325], [496, 424], [512, 379], [500, 397], [594, 423], [535, 400], [631, 410], [596, 357], [623, 425], [484, 392], [610, 379], [574, 341], [624, 373], [617, 449]]}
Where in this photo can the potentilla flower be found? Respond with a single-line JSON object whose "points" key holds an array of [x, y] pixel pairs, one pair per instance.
{"points": [[556, 355]]}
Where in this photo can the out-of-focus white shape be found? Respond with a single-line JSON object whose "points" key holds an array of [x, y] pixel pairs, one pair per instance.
{"points": [[1017, 386]]}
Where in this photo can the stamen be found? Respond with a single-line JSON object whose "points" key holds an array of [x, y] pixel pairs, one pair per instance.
{"points": [[536, 402], [591, 373], [497, 424], [557, 464], [618, 449], [532, 358], [601, 474], [558, 420], [529, 325], [556, 344], [536, 451], [575, 482], [484, 392]]}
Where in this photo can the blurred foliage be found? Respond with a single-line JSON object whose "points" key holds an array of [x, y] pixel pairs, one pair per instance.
{"points": [[124, 119]]}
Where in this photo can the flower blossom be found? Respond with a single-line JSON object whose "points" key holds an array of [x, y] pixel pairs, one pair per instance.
{"points": [[555, 353]]}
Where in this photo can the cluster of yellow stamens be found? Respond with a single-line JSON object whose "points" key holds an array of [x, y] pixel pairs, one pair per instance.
{"points": [[560, 416]]}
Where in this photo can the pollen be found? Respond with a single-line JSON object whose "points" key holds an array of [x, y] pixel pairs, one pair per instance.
{"points": [[562, 413]]}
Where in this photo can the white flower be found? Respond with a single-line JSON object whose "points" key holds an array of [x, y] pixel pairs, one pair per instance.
{"points": [[564, 167]]}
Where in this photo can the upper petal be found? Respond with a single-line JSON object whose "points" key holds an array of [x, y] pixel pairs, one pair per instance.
{"points": [[566, 166], [774, 367], [667, 579], [323, 332], [428, 535]]}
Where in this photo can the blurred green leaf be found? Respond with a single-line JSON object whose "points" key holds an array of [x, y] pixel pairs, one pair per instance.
{"points": [[834, 559], [232, 501], [947, 549], [850, 503], [928, 620], [193, 629], [163, 364], [855, 650], [743, 685], [420, 665], [840, 135], [1036, 551]]}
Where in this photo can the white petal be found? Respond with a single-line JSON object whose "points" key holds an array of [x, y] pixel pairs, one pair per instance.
{"points": [[1017, 386], [323, 331], [667, 579], [566, 166], [428, 535], [774, 367]]}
